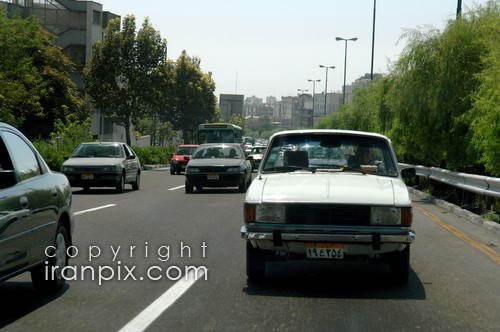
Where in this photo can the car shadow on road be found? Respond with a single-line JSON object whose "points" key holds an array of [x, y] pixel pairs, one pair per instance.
{"points": [[352, 281], [99, 191], [18, 299], [218, 191]]}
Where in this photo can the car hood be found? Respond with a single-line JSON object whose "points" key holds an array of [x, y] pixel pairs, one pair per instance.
{"points": [[330, 188], [92, 161], [215, 162]]}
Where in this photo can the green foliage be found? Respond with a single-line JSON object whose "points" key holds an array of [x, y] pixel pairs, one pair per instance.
{"points": [[34, 76], [237, 120], [154, 155], [121, 75], [440, 102], [66, 137]]}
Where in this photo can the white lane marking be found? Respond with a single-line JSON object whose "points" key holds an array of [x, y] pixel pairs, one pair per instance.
{"points": [[155, 309], [93, 209], [175, 188]]}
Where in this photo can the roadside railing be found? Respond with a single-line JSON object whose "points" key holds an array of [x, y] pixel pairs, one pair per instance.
{"points": [[479, 184]]}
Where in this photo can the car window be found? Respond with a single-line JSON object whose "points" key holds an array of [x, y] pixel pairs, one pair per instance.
{"points": [[223, 151], [98, 151], [330, 152], [23, 158], [127, 151]]}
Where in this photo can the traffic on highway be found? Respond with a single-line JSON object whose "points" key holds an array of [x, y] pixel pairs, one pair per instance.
{"points": [[321, 239]]}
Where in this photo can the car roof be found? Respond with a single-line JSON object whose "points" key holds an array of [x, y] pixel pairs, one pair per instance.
{"points": [[329, 131], [219, 144], [188, 145], [102, 143]]}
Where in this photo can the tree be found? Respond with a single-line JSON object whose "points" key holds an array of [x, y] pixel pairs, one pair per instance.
{"points": [[194, 99], [237, 120], [34, 76], [123, 70]]}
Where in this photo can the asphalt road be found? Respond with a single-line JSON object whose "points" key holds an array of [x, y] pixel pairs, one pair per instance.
{"points": [[454, 282]]}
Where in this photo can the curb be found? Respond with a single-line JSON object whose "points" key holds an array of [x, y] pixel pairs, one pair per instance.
{"points": [[153, 167], [473, 218]]}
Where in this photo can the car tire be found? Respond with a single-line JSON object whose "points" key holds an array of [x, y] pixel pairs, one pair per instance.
{"points": [[243, 186], [172, 172], [120, 186], [137, 184], [61, 260], [399, 265], [188, 188], [256, 263]]}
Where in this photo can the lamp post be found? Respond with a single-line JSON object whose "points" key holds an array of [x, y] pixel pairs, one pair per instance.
{"points": [[326, 80], [373, 37], [345, 61], [314, 90]]}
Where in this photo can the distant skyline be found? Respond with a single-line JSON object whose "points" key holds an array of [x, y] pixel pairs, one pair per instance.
{"points": [[273, 47]]}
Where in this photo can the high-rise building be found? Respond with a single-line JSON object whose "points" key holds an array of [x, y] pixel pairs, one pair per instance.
{"points": [[231, 104]]}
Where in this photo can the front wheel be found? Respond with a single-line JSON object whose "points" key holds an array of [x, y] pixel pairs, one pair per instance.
{"points": [[243, 185], [256, 263], [136, 185], [49, 277], [188, 188], [399, 265], [120, 186]]}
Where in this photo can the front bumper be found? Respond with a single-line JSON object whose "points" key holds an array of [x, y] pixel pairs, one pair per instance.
{"points": [[225, 180], [357, 241], [99, 179]]}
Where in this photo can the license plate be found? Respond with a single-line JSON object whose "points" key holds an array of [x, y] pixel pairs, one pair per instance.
{"points": [[212, 176], [87, 176], [325, 250]]}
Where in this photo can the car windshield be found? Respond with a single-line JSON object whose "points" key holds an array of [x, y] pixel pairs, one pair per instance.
{"points": [[330, 153], [223, 151], [98, 151], [185, 150]]}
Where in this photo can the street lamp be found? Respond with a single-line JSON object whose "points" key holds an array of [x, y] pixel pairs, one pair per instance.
{"points": [[314, 89], [345, 61], [326, 80]]}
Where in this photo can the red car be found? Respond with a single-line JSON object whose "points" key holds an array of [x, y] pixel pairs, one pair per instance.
{"points": [[181, 157]]}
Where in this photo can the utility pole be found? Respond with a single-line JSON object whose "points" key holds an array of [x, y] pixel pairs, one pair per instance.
{"points": [[459, 9]]}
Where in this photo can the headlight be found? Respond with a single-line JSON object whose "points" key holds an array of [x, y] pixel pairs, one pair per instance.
{"points": [[384, 215], [274, 213], [192, 170], [233, 169], [67, 169]]}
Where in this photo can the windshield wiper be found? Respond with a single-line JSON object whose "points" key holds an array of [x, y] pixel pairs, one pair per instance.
{"points": [[291, 168], [350, 169]]}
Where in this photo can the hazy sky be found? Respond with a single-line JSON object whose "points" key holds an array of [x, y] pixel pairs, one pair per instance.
{"points": [[273, 46]]}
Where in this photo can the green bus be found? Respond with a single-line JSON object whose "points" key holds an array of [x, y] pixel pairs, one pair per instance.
{"points": [[219, 133]]}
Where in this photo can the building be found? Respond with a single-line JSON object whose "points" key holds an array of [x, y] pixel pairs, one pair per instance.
{"points": [[77, 25], [333, 103], [231, 104]]}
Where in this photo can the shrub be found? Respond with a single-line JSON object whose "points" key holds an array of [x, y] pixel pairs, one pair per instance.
{"points": [[154, 155]]}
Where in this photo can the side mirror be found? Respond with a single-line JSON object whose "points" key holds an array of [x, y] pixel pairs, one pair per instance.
{"points": [[65, 157], [186, 158], [408, 173], [7, 178], [131, 157]]}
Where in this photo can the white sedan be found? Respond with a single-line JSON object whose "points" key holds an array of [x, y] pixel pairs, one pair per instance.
{"points": [[329, 195]]}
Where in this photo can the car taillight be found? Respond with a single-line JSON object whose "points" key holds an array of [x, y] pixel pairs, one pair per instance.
{"points": [[249, 213], [406, 216]]}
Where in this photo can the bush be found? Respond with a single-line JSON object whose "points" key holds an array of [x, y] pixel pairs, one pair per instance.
{"points": [[66, 137], [154, 155]]}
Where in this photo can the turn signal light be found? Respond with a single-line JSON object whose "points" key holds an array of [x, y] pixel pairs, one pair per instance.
{"points": [[406, 216], [249, 213]]}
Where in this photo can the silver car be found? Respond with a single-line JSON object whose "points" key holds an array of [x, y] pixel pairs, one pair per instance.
{"points": [[103, 164]]}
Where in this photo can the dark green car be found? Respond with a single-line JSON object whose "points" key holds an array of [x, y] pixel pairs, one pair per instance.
{"points": [[36, 222]]}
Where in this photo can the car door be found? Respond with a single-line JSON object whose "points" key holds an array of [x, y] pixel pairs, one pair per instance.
{"points": [[15, 230], [39, 195], [133, 162]]}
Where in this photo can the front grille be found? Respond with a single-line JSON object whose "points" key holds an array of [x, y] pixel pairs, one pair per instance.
{"points": [[337, 215], [87, 169], [213, 169]]}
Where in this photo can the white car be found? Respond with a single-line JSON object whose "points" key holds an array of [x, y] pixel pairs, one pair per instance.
{"points": [[255, 156], [329, 195]]}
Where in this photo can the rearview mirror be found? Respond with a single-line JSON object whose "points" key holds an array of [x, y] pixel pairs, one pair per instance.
{"points": [[7, 178]]}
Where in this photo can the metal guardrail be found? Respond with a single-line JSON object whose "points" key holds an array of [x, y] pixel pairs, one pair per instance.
{"points": [[479, 184]]}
